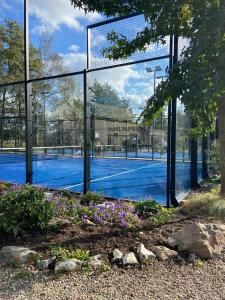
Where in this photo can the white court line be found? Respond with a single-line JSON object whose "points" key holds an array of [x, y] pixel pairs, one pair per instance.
{"points": [[110, 176]]}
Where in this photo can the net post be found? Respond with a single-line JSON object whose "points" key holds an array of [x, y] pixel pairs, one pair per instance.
{"points": [[168, 169], [173, 132], [27, 90], [86, 136]]}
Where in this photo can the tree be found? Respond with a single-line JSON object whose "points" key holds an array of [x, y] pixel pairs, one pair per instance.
{"points": [[12, 69], [105, 102], [198, 79]]}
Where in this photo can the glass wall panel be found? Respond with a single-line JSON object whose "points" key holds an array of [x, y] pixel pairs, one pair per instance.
{"points": [[12, 150], [128, 156], [11, 44], [12, 134], [58, 133], [183, 153], [200, 159]]}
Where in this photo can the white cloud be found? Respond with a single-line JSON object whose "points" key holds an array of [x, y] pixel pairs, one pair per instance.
{"points": [[129, 81], [74, 48], [53, 15], [4, 5]]}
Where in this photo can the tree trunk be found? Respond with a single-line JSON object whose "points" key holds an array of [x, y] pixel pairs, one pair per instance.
{"points": [[221, 123]]}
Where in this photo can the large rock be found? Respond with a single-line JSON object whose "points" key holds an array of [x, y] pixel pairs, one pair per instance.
{"points": [[164, 253], [69, 265], [47, 264], [205, 240], [143, 253], [117, 256], [17, 255], [130, 259]]}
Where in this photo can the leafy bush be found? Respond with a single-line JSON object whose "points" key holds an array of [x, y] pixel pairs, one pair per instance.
{"points": [[146, 208], [163, 215], [24, 208], [91, 198], [214, 158], [154, 212]]}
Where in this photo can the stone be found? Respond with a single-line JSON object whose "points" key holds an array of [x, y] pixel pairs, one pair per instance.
{"points": [[192, 257], [96, 261], [204, 240], [143, 253], [17, 255], [88, 222], [164, 253], [117, 256], [69, 265], [47, 264], [58, 222], [130, 259]]}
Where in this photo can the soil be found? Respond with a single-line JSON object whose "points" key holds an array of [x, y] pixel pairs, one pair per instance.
{"points": [[101, 239]]}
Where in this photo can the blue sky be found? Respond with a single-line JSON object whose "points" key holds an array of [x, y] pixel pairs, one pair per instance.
{"points": [[67, 27]]}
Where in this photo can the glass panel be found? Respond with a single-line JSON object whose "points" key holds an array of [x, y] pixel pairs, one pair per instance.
{"points": [[58, 36], [12, 103], [12, 150], [200, 159], [183, 154], [11, 43], [128, 27], [128, 156], [58, 133]]}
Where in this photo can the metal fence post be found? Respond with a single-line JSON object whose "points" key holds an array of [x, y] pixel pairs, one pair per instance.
{"points": [[173, 134], [86, 136], [27, 90], [168, 177]]}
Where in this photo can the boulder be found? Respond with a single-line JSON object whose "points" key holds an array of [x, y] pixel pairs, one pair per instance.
{"points": [[47, 264], [17, 255], [130, 259], [96, 261], [204, 240], [143, 253], [117, 256], [164, 253], [69, 265]]}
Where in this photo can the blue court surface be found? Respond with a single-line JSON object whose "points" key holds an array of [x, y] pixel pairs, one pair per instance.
{"points": [[134, 179]]}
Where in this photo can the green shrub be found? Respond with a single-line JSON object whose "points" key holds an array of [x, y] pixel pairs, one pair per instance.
{"points": [[91, 198], [24, 208], [163, 216], [214, 158], [146, 208], [154, 212], [62, 253]]}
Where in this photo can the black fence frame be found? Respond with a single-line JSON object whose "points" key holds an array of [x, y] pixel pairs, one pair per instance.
{"points": [[172, 108]]}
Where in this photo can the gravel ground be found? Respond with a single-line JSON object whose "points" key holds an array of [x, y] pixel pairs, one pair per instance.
{"points": [[157, 280]]}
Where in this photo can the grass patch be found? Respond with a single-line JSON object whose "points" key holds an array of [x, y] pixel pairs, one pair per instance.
{"points": [[22, 275], [210, 204]]}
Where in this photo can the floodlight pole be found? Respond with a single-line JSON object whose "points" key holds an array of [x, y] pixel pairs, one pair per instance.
{"points": [[27, 90]]}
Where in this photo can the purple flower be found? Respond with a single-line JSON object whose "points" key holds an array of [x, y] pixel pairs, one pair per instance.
{"points": [[97, 219], [84, 218]]}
